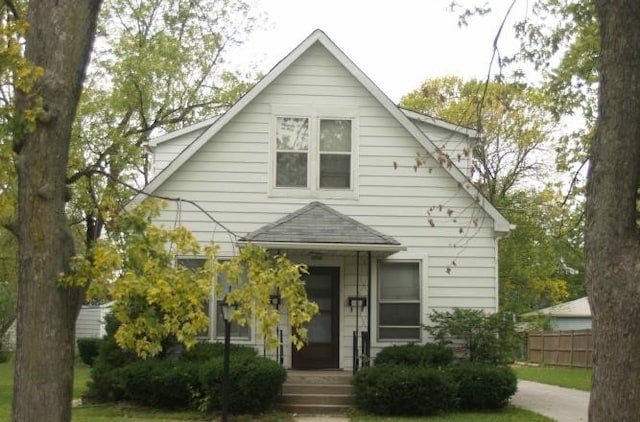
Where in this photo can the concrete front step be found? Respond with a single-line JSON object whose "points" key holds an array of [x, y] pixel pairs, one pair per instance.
{"points": [[317, 392], [314, 409], [331, 399], [290, 388]]}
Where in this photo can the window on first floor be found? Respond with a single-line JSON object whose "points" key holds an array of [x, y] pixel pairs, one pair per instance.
{"points": [[399, 300], [313, 153], [214, 313]]}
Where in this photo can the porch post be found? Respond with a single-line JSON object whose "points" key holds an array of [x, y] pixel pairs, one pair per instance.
{"points": [[369, 308]]}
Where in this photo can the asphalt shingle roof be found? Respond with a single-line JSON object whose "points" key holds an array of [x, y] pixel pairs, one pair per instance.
{"points": [[319, 223]]}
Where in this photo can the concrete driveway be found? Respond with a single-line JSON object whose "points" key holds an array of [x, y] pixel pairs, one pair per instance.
{"points": [[561, 404]]}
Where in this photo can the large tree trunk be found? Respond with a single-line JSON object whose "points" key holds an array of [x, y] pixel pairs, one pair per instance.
{"points": [[611, 233], [59, 40]]}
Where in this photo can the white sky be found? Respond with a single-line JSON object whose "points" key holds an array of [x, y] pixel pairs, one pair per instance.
{"points": [[397, 43]]}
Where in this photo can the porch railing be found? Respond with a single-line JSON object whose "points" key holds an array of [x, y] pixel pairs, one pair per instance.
{"points": [[360, 350]]}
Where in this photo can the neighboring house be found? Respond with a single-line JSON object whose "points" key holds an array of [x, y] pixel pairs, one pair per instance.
{"points": [[573, 315], [90, 323], [317, 162], [91, 320]]}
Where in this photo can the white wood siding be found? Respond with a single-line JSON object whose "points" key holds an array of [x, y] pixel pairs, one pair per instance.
{"points": [[422, 208]]}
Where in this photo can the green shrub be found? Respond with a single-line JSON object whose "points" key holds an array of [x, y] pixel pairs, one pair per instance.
{"points": [[167, 384], [88, 349], [482, 386], [403, 390], [105, 384], [255, 384], [489, 338], [205, 351], [5, 355], [431, 355]]}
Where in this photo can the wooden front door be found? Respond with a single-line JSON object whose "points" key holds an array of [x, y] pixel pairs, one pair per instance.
{"points": [[323, 345]]}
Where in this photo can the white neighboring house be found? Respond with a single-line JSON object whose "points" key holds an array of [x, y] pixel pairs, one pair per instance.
{"points": [[317, 162], [90, 324], [568, 316], [91, 321]]}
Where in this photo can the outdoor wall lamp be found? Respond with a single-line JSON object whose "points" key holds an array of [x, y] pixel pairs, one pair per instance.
{"points": [[275, 299], [359, 302]]}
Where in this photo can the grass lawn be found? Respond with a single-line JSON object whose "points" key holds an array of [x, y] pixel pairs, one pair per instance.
{"points": [[117, 413], [577, 378]]}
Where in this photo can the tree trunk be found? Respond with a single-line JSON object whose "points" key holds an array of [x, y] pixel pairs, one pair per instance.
{"points": [[612, 243], [59, 40]]}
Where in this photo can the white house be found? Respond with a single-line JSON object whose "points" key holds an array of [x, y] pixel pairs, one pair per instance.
{"points": [[317, 162]]}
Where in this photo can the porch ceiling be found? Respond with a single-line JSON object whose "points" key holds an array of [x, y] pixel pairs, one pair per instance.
{"points": [[319, 227]]}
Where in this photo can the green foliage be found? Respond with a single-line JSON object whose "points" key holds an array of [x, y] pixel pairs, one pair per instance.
{"points": [[191, 381], [88, 349], [404, 390], [8, 281], [252, 276], [511, 118], [541, 261], [202, 352], [165, 384], [430, 355], [488, 338], [255, 384], [483, 387]]}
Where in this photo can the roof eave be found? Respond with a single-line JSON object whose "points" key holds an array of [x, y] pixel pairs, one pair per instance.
{"points": [[342, 247]]}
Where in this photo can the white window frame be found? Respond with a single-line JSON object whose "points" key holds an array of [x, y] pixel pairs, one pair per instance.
{"points": [[420, 301], [213, 310], [314, 114]]}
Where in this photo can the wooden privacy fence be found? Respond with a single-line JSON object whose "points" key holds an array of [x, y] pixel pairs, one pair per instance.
{"points": [[561, 348]]}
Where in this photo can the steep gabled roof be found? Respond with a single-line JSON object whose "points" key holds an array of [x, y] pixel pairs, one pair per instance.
{"points": [[319, 225], [501, 225]]}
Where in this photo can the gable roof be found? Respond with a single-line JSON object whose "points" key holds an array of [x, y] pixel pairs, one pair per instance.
{"points": [[578, 308], [318, 225], [501, 225]]}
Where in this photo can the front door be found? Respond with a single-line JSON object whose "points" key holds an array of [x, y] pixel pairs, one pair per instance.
{"points": [[322, 348]]}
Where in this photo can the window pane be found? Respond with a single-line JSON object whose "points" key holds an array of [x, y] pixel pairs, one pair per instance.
{"points": [[319, 328], [399, 281], [291, 169], [195, 264], [399, 314], [395, 333], [335, 135], [292, 134], [335, 171], [237, 331]]}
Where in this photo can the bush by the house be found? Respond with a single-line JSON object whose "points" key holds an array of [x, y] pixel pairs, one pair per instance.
{"points": [[202, 352], [255, 384], [88, 349], [489, 338], [431, 355], [105, 383], [482, 386], [192, 379], [404, 390], [158, 383]]}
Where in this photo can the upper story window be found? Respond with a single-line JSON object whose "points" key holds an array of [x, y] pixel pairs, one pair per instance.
{"points": [[335, 154], [292, 149], [314, 154]]}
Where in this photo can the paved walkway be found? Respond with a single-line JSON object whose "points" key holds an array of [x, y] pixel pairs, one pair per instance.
{"points": [[561, 404]]}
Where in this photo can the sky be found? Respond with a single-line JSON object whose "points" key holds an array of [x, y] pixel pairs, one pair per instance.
{"points": [[397, 43]]}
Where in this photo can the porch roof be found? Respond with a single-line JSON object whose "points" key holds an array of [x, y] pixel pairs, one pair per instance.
{"points": [[317, 226]]}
